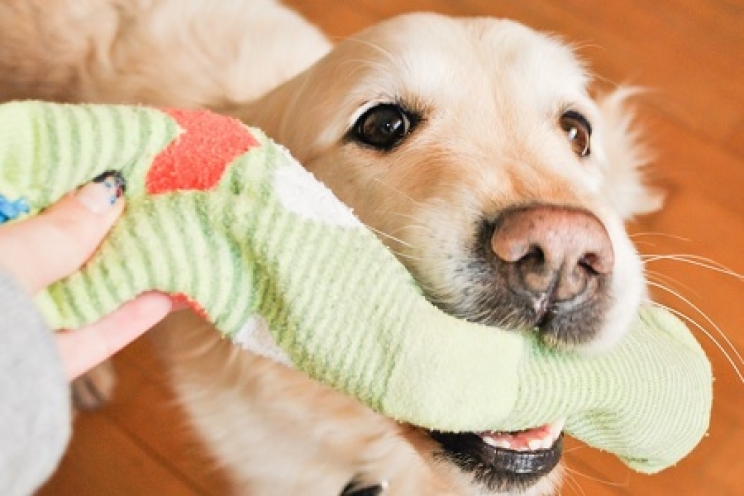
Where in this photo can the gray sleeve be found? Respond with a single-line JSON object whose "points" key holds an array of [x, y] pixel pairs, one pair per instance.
{"points": [[35, 412]]}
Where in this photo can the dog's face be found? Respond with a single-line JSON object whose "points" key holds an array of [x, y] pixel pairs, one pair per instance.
{"points": [[474, 150]]}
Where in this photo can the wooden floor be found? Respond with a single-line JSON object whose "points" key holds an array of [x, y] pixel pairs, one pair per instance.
{"points": [[691, 54]]}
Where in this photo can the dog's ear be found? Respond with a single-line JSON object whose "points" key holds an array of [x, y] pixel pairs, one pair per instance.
{"points": [[626, 156], [290, 114]]}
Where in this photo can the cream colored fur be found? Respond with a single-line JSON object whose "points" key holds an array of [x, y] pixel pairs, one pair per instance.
{"points": [[490, 91]]}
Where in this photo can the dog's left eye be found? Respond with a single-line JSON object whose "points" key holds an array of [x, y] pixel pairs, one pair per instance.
{"points": [[383, 127], [578, 130]]}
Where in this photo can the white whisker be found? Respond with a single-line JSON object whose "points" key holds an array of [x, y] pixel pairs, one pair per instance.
{"points": [[670, 281], [423, 228], [407, 256], [388, 236], [660, 234], [575, 448], [572, 482], [651, 243], [693, 322], [396, 190], [597, 479], [696, 260], [705, 316]]}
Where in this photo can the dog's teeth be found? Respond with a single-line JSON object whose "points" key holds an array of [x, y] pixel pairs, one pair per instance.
{"points": [[539, 438], [556, 428], [535, 444], [497, 443]]}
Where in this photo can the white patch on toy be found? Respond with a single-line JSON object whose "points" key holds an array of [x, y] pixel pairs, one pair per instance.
{"points": [[255, 336], [300, 193]]}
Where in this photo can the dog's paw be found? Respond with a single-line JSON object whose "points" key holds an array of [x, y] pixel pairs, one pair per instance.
{"points": [[95, 388]]}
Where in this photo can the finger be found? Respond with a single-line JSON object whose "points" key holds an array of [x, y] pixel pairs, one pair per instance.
{"points": [[84, 348], [50, 246]]}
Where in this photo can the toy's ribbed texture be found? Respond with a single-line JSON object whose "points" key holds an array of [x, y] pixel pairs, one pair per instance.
{"points": [[266, 243], [638, 409]]}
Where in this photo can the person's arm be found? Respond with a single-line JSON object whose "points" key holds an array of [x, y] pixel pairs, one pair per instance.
{"points": [[35, 415], [35, 361]]}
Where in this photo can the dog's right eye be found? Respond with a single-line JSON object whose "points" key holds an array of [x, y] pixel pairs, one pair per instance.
{"points": [[383, 127]]}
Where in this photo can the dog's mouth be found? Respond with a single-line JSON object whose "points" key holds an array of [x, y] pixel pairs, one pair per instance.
{"points": [[503, 461]]}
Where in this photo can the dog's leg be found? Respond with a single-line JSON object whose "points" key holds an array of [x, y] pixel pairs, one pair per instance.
{"points": [[94, 389]]}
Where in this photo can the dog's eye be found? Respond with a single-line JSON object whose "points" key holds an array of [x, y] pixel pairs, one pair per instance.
{"points": [[579, 132], [383, 127]]}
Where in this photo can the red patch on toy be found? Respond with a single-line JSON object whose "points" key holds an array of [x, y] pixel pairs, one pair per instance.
{"points": [[180, 299], [198, 157]]}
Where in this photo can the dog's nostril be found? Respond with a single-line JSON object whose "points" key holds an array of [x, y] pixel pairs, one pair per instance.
{"points": [[594, 263], [533, 255]]}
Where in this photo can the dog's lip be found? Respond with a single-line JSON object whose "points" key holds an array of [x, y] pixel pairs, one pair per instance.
{"points": [[516, 458], [529, 463]]}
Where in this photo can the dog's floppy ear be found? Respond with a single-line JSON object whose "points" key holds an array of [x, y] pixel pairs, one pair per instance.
{"points": [[626, 156]]}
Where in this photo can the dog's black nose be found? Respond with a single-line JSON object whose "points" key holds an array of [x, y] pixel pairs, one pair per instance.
{"points": [[554, 255]]}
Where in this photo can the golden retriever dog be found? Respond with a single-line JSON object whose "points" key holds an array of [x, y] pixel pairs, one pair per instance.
{"points": [[472, 146]]}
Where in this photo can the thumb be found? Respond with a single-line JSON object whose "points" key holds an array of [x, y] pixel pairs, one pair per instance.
{"points": [[56, 243]]}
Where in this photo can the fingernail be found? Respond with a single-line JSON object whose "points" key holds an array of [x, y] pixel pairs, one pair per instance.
{"points": [[101, 195]]}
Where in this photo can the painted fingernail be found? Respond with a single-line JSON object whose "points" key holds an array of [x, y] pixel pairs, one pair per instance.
{"points": [[103, 192]]}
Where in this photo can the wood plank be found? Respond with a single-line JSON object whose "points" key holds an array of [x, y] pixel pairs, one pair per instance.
{"points": [[337, 19], [141, 426], [103, 460], [146, 410]]}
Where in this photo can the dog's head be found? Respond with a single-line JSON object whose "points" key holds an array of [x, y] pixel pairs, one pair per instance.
{"points": [[473, 148]]}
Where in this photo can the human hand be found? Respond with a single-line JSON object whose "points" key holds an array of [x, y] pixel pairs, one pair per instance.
{"points": [[56, 243]]}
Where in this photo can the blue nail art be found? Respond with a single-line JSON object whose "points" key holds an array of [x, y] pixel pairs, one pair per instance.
{"points": [[12, 209], [112, 180]]}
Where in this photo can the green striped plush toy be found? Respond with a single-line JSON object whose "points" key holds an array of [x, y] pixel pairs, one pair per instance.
{"points": [[224, 218]]}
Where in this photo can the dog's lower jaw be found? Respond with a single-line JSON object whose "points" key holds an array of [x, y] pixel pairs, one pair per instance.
{"points": [[463, 484], [548, 485], [453, 480]]}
